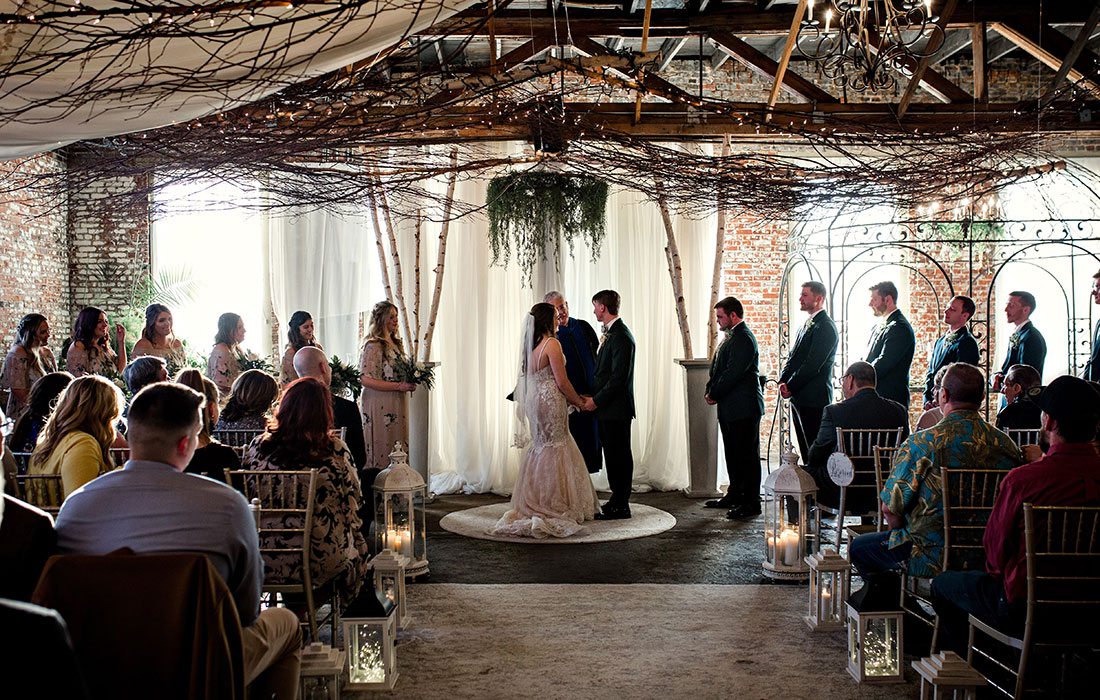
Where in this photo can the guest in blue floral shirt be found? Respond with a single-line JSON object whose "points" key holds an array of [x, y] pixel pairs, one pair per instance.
{"points": [[912, 498]]}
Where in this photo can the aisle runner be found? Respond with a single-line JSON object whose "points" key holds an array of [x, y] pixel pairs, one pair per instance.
{"points": [[646, 521], [592, 642]]}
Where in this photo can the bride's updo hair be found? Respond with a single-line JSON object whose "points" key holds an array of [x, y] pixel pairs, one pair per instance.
{"points": [[546, 322]]}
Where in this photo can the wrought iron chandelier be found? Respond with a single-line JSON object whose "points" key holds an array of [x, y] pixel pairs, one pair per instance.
{"points": [[864, 43]]}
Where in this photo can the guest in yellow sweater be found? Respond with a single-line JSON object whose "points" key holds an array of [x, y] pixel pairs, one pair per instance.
{"points": [[76, 440]]}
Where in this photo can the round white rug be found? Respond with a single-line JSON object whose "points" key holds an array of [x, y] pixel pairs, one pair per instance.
{"points": [[645, 521]]}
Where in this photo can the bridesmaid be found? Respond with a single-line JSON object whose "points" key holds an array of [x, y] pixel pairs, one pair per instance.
{"points": [[224, 365], [299, 335], [384, 400], [90, 352], [28, 361], [157, 338]]}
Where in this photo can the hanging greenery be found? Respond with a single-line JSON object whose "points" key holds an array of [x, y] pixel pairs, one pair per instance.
{"points": [[531, 210]]}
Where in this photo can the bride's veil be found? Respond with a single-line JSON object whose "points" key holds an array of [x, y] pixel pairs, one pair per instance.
{"points": [[521, 436]]}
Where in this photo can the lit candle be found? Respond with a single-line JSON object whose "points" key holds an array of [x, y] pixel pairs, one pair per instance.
{"points": [[789, 542], [770, 538], [928, 7], [828, 19], [392, 540], [810, 10]]}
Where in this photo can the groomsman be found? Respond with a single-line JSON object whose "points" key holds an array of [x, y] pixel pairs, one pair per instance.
{"points": [[1092, 368], [957, 345], [807, 377], [735, 386], [890, 350], [613, 402], [579, 345], [1026, 345]]}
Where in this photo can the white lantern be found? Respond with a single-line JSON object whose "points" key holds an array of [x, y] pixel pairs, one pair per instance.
{"points": [[399, 521], [389, 580], [322, 672], [874, 645], [830, 577], [946, 675], [370, 631], [792, 523]]}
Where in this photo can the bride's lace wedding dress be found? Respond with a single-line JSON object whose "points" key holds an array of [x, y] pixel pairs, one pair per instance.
{"points": [[554, 493]]}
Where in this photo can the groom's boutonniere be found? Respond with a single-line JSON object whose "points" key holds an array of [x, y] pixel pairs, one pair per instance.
{"points": [[952, 336], [1015, 339]]}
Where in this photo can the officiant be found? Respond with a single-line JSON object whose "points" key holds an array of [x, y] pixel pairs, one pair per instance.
{"points": [[579, 343]]}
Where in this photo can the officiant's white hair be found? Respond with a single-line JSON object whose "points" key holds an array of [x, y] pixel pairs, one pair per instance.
{"points": [[550, 296]]}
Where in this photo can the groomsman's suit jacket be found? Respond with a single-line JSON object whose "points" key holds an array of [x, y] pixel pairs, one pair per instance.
{"points": [[735, 378], [1031, 349], [808, 372], [956, 346], [614, 378], [1092, 367], [864, 410], [891, 354]]}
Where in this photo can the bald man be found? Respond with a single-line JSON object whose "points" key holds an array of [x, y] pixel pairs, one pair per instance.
{"points": [[312, 362]]}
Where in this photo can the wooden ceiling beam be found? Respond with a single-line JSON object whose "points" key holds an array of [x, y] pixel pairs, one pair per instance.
{"points": [[1050, 47], [767, 68], [1074, 53], [788, 49], [521, 54], [923, 68], [935, 83]]}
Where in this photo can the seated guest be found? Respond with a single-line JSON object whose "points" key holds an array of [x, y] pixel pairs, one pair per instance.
{"points": [[143, 371], [299, 438], [862, 407], [90, 351], [933, 415], [151, 506], [247, 408], [1068, 475], [912, 503], [76, 440], [310, 361], [27, 540], [1020, 413], [43, 398], [211, 458]]}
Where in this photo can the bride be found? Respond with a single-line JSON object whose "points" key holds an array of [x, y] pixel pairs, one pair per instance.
{"points": [[554, 493]]}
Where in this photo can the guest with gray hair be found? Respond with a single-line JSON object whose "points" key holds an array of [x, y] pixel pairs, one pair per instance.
{"points": [[1020, 413], [143, 371]]}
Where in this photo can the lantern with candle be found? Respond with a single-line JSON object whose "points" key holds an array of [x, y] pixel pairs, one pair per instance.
{"points": [[875, 645], [399, 522], [830, 577], [370, 630], [389, 580], [792, 523]]}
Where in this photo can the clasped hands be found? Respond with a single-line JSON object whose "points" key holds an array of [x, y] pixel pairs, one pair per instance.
{"points": [[586, 404]]}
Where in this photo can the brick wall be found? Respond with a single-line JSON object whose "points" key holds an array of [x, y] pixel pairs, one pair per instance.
{"points": [[34, 258], [108, 244]]}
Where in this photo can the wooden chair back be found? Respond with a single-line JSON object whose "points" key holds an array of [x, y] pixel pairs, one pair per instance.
{"points": [[22, 461], [968, 496], [119, 455], [1063, 575], [859, 445], [43, 491], [237, 439], [285, 527], [1024, 436]]}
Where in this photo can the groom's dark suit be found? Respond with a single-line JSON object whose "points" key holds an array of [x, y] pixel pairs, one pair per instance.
{"points": [[613, 385]]}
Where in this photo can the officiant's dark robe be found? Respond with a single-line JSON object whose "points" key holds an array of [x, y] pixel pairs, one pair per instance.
{"points": [[579, 344]]}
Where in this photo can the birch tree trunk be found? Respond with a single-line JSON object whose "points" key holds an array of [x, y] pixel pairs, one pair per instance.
{"points": [[415, 337], [399, 296], [438, 271], [716, 277], [382, 264], [676, 273]]}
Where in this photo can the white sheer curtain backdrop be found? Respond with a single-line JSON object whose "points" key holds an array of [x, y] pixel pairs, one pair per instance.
{"points": [[324, 262]]}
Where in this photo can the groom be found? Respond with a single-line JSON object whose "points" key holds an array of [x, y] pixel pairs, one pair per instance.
{"points": [[613, 402]]}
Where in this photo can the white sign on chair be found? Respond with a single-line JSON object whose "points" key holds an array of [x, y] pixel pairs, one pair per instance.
{"points": [[840, 469]]}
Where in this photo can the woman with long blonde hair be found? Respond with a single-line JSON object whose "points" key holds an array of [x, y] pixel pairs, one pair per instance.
{"points": [[77, 439], [384, 401]]}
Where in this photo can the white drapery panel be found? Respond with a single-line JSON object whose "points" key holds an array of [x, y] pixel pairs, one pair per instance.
{"points": [[327, 264], [322, 262], [138, 85]]}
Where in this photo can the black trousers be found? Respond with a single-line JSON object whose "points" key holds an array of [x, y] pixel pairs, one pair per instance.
{"points": [[741, 440], [615, 440], [807, 421], [582, 426]]}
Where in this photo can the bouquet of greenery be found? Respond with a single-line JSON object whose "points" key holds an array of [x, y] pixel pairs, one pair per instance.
{"points": [[250, 360], [345, 379], [409, 370]]}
